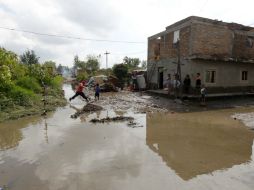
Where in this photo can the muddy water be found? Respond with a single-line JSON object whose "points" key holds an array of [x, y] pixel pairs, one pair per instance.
{"points": [[203, 150]]}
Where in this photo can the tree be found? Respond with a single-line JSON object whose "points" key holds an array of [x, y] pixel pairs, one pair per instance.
{"points": [[121, 72], [60, 69], [144, 64], [92, 63], [29, 58], [132, 63], [50, 66]]}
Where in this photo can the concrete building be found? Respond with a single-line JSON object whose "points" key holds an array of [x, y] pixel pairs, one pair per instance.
{"points": [[221, 52]]}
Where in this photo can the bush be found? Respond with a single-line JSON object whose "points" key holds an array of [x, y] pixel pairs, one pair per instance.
{"points": [[21, 96], [82, 76], [57, 82], [29, 83]]}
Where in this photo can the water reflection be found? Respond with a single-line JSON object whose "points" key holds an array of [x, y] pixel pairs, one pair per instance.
{"points": [[10, 132], [195, 143]]}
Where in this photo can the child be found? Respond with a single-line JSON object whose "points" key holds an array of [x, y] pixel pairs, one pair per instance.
{"points": [[203, 93], [97, 91], [79, 92]]}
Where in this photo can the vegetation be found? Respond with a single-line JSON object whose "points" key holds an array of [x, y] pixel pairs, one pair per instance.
{"points": [[132, 63], [22, 83], [29, 58], [121, 72], [87, 67]]}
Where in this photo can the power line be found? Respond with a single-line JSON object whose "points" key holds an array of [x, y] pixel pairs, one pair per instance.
{"points": [[70, 37], [129, 53]]}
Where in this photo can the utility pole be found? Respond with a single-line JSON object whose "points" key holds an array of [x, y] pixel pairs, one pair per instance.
{"points": [[106, 59], [179, 73]]}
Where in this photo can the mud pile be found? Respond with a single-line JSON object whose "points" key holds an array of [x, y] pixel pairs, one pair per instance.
{"points": [[87, 108], [112, 119]]}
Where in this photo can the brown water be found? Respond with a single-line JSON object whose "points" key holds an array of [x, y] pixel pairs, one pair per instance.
{"points": [[202, 150]]}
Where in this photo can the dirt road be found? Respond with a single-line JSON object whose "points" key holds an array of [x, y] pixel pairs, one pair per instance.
{"points": [[168, 150]]}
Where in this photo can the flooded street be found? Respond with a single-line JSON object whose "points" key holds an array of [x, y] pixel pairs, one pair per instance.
{"points": [[167, 150]]}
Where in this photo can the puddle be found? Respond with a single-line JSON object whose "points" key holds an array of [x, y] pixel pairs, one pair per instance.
{"points": [[196, 143], [202, 150]]}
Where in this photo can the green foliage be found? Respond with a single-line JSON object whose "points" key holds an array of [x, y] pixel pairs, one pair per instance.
{"points": [[132, 63], [5, 77], [82, 75], [57, 82], [29, 58], [50, 66], [29, 83], [121, 72], [22, 83], [21, 96], [91, 65]]}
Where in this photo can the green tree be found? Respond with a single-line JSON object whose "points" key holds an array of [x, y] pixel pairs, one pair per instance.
{"points": [[50, 66], [29, 58], [90, 66], [132, 63], [92, 63], [121, 72]]}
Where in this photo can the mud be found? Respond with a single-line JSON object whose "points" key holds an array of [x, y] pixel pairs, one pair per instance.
{"points": [[112, 119], [173, 150], [194, 144], [87, 108]]}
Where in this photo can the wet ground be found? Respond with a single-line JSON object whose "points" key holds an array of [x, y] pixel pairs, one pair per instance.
{"points": [[167, 150]]}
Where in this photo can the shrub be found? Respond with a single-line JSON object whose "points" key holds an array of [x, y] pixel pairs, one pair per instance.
{"points": [[82, 76], [21, 96], [29, 83], [56, 82]]}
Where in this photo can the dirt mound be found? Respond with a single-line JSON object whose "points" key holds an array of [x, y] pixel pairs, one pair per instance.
{"points": [[91, 107], [87, 108], [112, 119]]}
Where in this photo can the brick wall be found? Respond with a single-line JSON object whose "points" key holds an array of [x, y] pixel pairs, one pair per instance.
{"points": [[240, 49], [211, 40], [165, 44]]}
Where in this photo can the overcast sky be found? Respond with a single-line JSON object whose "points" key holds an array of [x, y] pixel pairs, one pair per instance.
{"points": [[119, 20]]}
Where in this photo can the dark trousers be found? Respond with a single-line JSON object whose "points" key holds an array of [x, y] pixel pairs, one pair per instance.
{"points": [[97, 95], [79, 94]]}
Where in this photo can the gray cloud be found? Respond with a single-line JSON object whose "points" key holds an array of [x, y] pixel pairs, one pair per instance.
{"points": [[94, 16]]}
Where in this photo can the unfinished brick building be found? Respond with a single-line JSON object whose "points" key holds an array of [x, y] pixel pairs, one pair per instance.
{"points": [[221, 52]]}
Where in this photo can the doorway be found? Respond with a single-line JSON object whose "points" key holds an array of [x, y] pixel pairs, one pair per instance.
{"points": [[160, 77]]}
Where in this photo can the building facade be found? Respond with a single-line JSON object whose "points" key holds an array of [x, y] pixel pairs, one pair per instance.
{"points": [[223, 54]]}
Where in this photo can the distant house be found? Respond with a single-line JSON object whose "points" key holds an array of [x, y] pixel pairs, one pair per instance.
{"points": [[223, 53]]}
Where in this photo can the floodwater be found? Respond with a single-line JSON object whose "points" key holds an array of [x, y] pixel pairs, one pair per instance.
{"points": [[199, 150]]}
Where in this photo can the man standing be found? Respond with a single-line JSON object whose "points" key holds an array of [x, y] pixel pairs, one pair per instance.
{"points": [[79, 92], [176, 85], [169, 84], [187, 84]]}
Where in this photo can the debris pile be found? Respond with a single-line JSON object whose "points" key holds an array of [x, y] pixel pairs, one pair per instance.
{"points": [[87, 108], [112, 119]]}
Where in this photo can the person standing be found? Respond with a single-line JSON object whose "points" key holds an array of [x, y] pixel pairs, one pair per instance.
{"points": [[187, 84], [176, 86], [198, 82], [169, 84], [79, 92], [97, 91], [203, 94]]}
